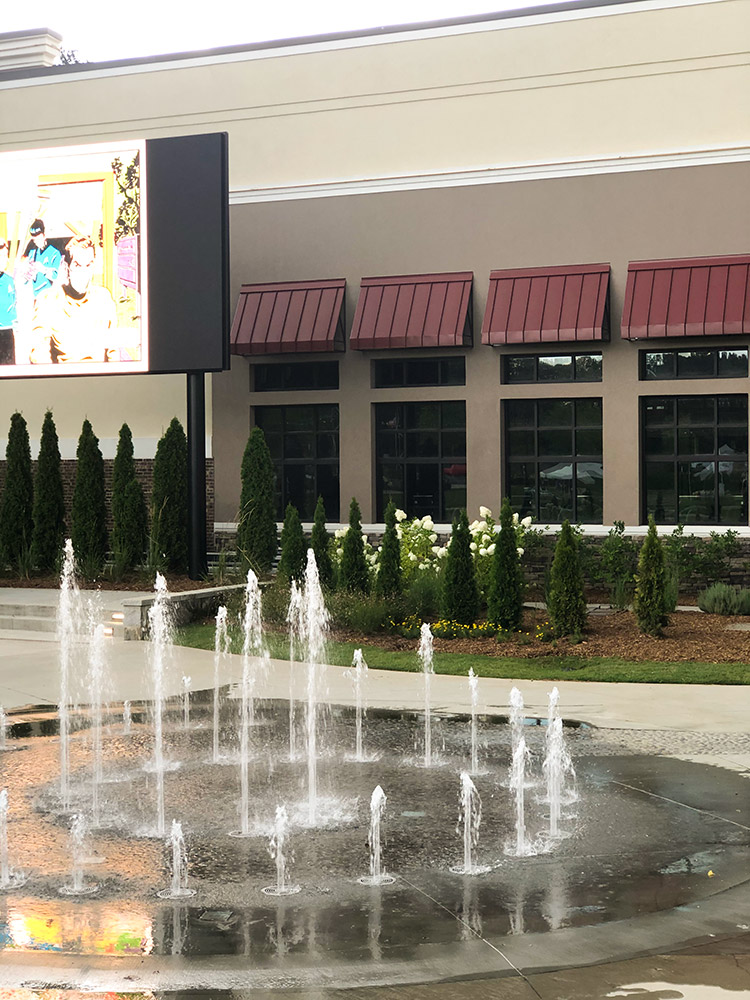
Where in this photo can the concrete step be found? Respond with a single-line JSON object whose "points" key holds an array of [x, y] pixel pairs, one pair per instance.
{"points": [[32, 622], [38, 610]]}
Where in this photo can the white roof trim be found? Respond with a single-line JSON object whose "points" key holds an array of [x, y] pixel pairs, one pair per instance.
{"points": [[493, 175], [282, 49]]}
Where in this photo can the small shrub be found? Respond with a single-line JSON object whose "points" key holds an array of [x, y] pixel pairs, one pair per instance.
{"points": [[293, 547], [721, 599], [363, 613], [567, 604], [320, 543], [354, 572], [649, 603], [460, 594], [275, 602], [619, 560], [716, 553], [424, 594]]}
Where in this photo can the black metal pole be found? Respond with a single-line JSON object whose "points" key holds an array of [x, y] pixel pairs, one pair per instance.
{"points": [[196, 440]]}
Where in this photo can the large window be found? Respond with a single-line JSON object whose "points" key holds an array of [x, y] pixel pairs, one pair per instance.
{"points": [[303, 375], [304, 446], [520, 368], [401, 373], [709, 362], [421, 457], [553, 451], [695, 459]]}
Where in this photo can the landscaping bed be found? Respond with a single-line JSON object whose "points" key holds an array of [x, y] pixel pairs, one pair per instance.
{"points": [[690, 637]]}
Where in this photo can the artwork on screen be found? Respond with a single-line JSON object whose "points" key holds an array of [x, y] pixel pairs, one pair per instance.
{"points": [[73, 270]]}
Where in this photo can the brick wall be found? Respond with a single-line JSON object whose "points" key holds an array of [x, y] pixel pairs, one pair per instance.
{"points": [[144, 470]]}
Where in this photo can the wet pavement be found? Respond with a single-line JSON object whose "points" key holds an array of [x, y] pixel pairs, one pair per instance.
{"points": [[657, 859]]}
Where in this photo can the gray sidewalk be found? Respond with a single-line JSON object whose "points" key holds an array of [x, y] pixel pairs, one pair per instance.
{"points": [[29, 675]]}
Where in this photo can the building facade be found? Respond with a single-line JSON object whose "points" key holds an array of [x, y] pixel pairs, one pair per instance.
{"points": [[500, 256]]}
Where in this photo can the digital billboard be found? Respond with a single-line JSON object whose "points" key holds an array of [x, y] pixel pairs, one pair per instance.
{"points": [[114, 258]]}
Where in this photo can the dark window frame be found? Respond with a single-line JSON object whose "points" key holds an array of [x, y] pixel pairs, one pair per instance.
{"points": [[316, 370], [574, 356], [537, 457], [678, 376], [444, 379], [281, 464], [677, 456], [406, 460]]}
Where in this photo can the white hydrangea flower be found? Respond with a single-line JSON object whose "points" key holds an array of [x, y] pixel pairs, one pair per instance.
{"points": [[433, 537], [519, 550], [443, 553], [482, 551], [400, 515], [364, 539], [436, 550], [491, 549], [399, 532], [527, 521], [485, 512], [482, 526], [473, 526], [423, 565], [412, 557], [473, 546], [515, 519], [340, 533]]}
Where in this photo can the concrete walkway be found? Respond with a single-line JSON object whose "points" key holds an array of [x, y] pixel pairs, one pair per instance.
{"points": [[29, 676]]}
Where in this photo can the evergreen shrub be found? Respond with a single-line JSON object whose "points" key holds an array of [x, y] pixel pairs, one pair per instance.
{"points": [[566, 601], [49, 504], [320, 543], [388, 580], [16, 510], [354, 572], [169, 501], [293, 547], [650, 588], [89, 513], [257, 537], [460, 592], [129, 513], [505, 603]]}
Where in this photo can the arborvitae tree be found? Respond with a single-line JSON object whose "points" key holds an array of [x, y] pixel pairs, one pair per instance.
{"points": [[257, 538], [505, 604], [89, 512], [129, 514], [16, 521], [169, 500], [293, 548], [320, 543], [460, 591], [566, 602], [388, 580], [650, 584], [355, 575], [49, 504]]}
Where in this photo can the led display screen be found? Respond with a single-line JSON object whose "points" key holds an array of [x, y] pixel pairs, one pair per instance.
{"points": [[114, 258]]}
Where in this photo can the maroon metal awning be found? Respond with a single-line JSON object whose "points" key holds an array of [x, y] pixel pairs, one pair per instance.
{"points": [[414, 310], [692, 297], [289, 317], [534, 305]]}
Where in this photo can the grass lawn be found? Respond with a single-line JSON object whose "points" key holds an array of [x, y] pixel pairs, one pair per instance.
{"points": [[547, 667]]}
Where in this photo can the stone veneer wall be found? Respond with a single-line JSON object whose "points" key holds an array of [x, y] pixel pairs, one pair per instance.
{"points": [[144, 470]]}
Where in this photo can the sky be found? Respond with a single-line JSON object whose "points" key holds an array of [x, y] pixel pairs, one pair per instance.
{"points": [[101, 31]]}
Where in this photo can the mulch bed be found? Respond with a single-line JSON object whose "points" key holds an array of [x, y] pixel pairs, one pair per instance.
{"points": [[140, 582], [690, 637]]}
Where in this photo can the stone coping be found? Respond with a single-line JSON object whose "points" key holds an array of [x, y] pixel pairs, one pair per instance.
{"points": [[185, 605]]}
